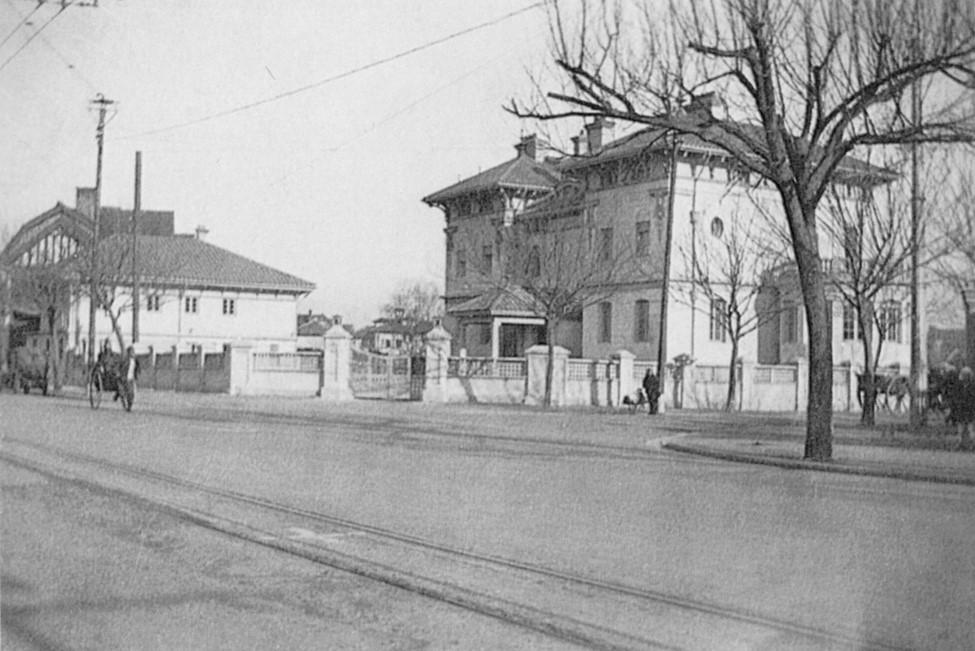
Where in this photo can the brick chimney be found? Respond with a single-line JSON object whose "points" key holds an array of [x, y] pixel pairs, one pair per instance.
{"points": [[202, 232], [577, 145], [528, 146], [598, 132], [85, 202]]}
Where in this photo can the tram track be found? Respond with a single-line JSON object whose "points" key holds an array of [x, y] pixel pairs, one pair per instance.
{"points": [[564, 605]]}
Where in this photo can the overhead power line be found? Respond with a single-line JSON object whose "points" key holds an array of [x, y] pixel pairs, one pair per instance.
{"points": [[19, 25], [33, 36], [328, 80]]}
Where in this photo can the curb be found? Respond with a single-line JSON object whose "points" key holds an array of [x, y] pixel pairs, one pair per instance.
{"points": [[821, 466]]}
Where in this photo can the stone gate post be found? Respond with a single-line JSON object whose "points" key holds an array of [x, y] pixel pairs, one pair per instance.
{"points": [[240, 368], [625, 383], [437, 351], [337, 365], [537, 360]]}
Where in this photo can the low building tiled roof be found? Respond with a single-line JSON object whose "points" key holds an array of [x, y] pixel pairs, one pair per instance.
{"points": [[523, 172], [314, 328], [186, 260], [395, 328]]}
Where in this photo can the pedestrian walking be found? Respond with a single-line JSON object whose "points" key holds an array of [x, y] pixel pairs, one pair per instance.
{"points": [[651, 386], [963, 408]]}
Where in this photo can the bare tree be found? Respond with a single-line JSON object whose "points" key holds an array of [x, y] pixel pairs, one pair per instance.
{"points": [[728, 268], [562, 265], [875, 242], [419, 300], [805, 83], [956, 223]]}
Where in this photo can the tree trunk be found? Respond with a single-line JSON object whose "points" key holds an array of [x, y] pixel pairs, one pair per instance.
{"points": [[729, 404], [549, 362], [868, 416], [819, 409]]}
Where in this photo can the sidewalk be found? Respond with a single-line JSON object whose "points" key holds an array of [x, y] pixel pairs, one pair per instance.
{"points": [[774, 439], [888, 450]]}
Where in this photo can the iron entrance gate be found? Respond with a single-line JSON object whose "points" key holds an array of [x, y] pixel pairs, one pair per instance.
{"points": [[387, 377]]}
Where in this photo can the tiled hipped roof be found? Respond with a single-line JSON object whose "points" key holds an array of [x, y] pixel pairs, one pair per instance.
{"points": [[500, 301], [185, 260], [522, 173]]}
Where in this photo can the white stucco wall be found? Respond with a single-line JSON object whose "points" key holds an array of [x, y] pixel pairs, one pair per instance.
{"points": [[267, 321]]}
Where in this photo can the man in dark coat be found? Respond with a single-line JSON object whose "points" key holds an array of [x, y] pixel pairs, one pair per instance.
{"points": [[651, 386], [963, 407]]}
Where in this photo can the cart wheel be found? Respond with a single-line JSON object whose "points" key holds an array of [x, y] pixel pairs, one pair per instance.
{"points": [[95, 389]]}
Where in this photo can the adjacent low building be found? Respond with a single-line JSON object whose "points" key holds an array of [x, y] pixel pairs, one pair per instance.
{"points": [[190, 295]]}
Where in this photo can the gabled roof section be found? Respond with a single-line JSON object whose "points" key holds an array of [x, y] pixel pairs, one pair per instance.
{"points": [[522, 173], [187, 261], [500, 301], [60, 217]]}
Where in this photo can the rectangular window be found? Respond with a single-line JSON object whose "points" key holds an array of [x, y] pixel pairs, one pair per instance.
{"points": [[152, 303], [719, 320], [605, 322], [643, 238], [641, 321], [229, 306], [890, 322], [849, 322], [791, 325], [605, 243], [485, 334], [190, 305], [461, 263], [487, 259]]}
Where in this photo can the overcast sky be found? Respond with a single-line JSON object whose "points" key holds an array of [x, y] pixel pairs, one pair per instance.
{"points": [[325, 182]]}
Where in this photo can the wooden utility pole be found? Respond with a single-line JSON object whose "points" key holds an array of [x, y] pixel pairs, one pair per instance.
{"points": [[665, 282], [136, 207], [94, 282], [917, 415]]}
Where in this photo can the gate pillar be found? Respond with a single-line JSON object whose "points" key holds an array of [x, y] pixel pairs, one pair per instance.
{"points": [[336, 365], [437, 351], [537, 360], [625, 384]]}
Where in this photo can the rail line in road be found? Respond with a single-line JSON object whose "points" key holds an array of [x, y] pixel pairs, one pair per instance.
{"points": [[589, 611]]}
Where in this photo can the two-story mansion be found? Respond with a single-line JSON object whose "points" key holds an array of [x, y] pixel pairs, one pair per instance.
{"points": [[623, 195], [192, 295]]}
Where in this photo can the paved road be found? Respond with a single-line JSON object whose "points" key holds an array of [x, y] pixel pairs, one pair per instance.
{"points": [[885, 562]]}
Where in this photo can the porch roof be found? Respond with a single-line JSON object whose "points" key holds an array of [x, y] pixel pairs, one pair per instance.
{"points": [[500, 301]]}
